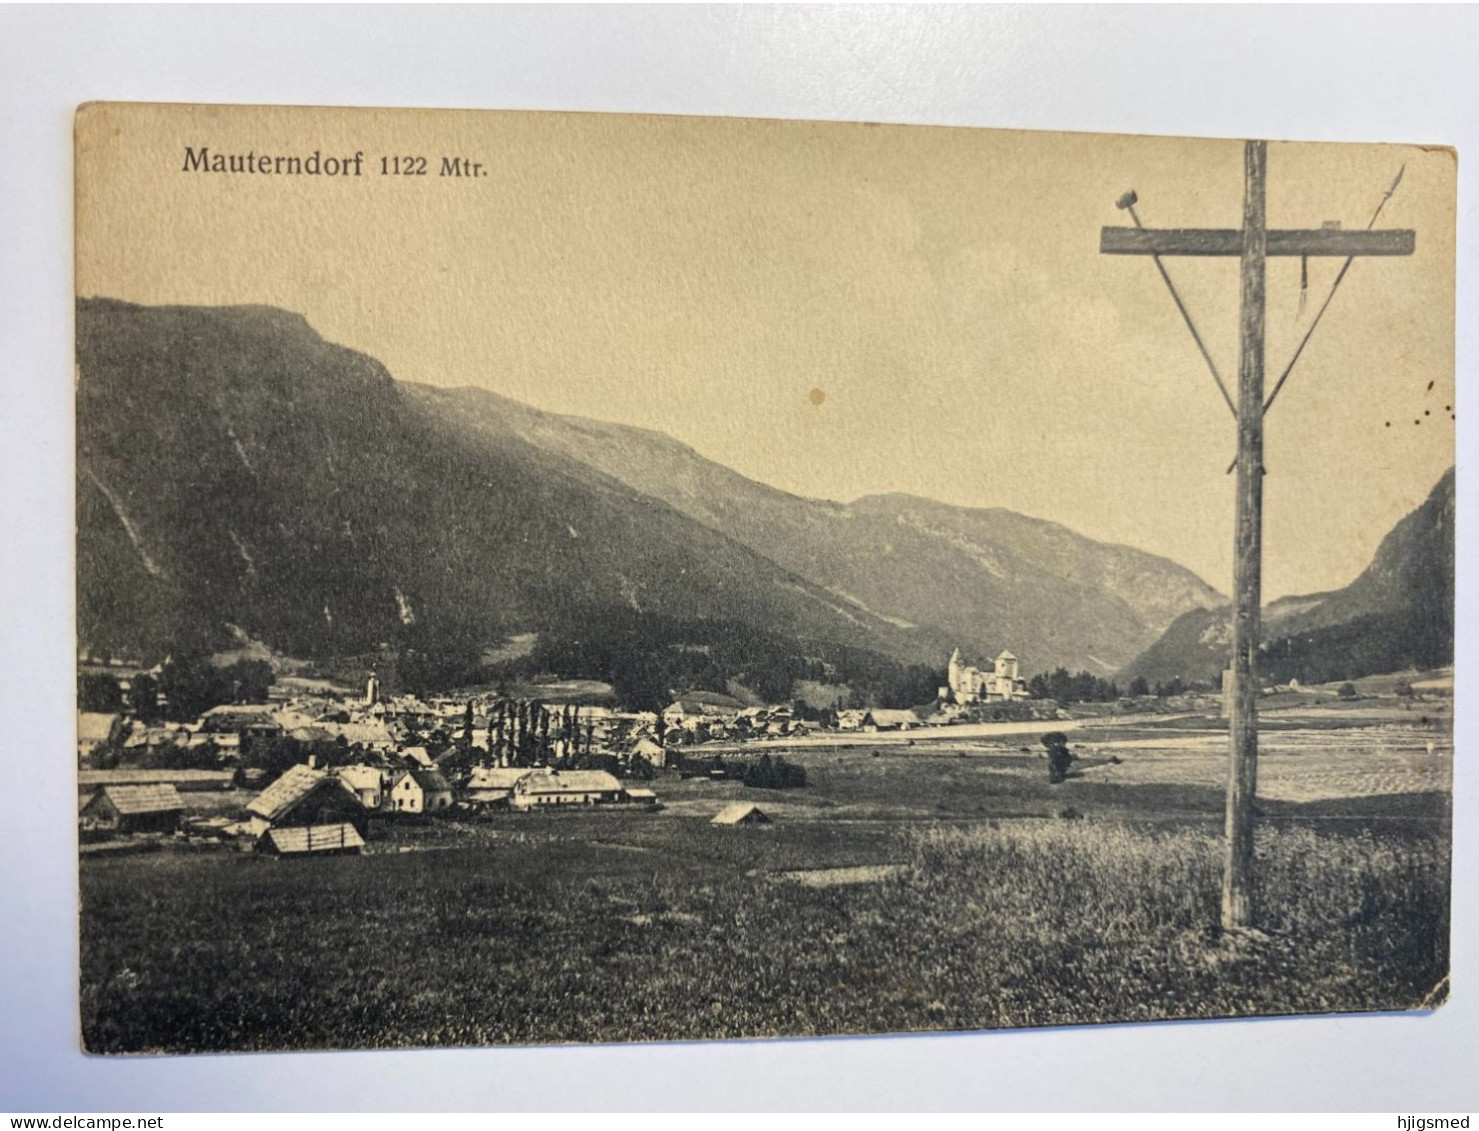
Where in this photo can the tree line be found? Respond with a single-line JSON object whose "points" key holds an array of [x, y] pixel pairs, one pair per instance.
{"points": [[648, 658], [185, 688], [1085, 687]]}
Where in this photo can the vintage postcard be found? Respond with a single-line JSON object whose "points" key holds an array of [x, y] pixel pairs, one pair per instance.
{"points": [[579, 578]]}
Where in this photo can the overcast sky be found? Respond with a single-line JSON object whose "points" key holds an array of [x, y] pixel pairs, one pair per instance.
{"points": [[838, 310]]}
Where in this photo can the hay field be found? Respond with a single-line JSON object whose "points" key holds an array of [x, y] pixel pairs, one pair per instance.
{"points": [[941, 886]]}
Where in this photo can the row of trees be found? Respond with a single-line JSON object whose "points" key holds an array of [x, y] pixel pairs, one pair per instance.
{"points": [[527, 732], [647, 657], [764, 772], [1086, 687], [185, 689]]}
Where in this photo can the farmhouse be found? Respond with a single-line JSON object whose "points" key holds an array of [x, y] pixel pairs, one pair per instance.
{"points": [[420, 791], [880, 719], [649, 749], [741, 813], [340, 839], [304, 796], [418, 756], [133, 809], [244, 719], [493, 785], [367, 783], [565, 787], [372, 734], [139, 738], [692, 710]]}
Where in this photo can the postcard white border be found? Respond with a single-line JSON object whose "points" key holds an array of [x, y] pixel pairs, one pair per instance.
{"points": [[1328, 73]]}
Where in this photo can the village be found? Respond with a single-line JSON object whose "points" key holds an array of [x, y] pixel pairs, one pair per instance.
{"points": [[545, 862], [309, 769], [318, 770]]}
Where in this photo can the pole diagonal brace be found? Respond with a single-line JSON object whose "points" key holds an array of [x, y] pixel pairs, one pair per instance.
{"points": [[1127, 203]]}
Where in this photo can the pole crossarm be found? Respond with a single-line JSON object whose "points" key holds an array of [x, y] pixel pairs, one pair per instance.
{"points": [[1281, 242]]}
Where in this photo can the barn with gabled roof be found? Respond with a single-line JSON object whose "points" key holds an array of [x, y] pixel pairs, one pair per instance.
{"points": [[305, 796], [133, 809], [340, 839], [741, 813]]}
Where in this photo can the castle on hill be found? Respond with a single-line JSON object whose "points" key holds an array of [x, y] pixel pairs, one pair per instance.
{"points": [[999, 680]]}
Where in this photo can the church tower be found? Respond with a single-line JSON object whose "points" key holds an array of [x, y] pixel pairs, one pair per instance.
{"points": [[372, 689]]}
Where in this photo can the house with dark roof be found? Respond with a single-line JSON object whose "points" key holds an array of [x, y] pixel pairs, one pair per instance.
{"points": [[420, 791], [133, 809]]}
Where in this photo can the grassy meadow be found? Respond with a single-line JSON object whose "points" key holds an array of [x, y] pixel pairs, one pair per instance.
{"points": [[947, 887]]}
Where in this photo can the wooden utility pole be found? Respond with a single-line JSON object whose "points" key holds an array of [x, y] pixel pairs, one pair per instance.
{"points": [[1242, 773], [1252, 244]]}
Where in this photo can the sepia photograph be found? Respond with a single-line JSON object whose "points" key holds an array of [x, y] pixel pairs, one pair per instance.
{"points": [[551, 578]]}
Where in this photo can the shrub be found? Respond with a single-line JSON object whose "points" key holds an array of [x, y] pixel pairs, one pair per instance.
{"points": [[768, 773]]}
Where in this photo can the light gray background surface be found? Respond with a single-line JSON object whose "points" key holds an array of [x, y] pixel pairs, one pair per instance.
{"points": [[1357, 74]]}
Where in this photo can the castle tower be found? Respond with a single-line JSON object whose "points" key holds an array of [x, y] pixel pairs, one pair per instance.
{"points": [[954, 677]]}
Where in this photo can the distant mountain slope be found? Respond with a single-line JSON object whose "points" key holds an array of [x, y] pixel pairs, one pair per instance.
{"points": [[986, 579], [1397, 614], [234, 467]]}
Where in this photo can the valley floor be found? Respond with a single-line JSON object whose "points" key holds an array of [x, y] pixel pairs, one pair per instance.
{"points": [[944, 885]]}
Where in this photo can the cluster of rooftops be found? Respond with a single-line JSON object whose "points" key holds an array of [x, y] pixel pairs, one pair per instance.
{"points": [[320, 810]]}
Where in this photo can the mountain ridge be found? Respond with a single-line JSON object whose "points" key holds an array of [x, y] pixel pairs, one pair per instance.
{"points": [[952, 567], [1397, 614], [235, 467]]}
